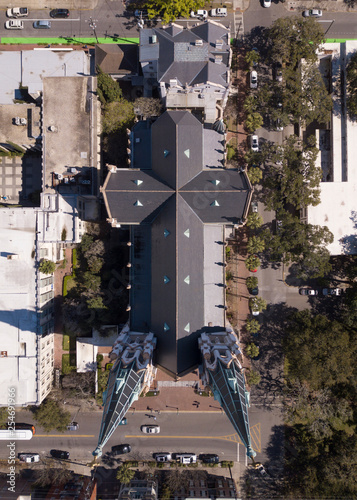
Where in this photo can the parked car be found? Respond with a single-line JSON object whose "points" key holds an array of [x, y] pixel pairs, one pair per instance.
{"points": [[150, 429], [42, 25], [14, 24], [64, 455], [254, 291], [209, 458], [17, 12], [163, 457], [121, 449], [220, 12], [266, 3], [29, 458], [308, 291], [332, 291], [312, 13], [73, 426], [253, 79], [254, 206], [199, 13], [59, 13], [255, 143], [260, 468], [186, 458]]}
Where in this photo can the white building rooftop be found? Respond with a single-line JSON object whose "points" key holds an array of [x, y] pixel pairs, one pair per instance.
{"points": [[338, 207]]}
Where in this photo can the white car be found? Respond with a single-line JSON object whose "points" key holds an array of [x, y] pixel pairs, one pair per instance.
{"points": [[220, 12], [150, 429], [17, 12], [14, 24], [254, 143], [199, 13], [312, 13], [267, 3], [186, 458], [29, 458], [163, 457], [253, 79]]}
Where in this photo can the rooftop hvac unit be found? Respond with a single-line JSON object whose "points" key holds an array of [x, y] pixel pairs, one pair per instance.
{"points": [[59, 177], [173, 82]]}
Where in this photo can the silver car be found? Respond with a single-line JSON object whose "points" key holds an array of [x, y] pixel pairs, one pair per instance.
{"points": [[42, 25]]}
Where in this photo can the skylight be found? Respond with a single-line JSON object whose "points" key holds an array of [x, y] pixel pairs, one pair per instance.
{"points": [[187, 327], [187, 233], [138, 182], [138, 203], [215, 203], [215, 182], [187, 153], [187, 279]]}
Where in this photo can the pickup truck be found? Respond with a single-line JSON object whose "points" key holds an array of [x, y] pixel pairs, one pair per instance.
{"points": [[220, 12], [17, 12]]}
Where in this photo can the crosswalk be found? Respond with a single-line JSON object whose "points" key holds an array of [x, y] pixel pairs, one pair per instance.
{"points": [[238, 25]]}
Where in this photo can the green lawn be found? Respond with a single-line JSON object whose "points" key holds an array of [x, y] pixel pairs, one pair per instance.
{"points": [[68, 363], [65, 342]]}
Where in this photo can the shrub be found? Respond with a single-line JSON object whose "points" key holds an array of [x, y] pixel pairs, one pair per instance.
{"points": [[108, 366], [251, 282], [230, 152], [65, 342], [227, 463], [64, 234], [47, 266], [253, 377]]}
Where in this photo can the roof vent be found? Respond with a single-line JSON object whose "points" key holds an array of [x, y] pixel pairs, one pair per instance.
{"points": [[187, 279], [215, 203], [166, 152], [187, 233], [153, 39], [187, 153], [187, 327], [215, 182], [219, 44], [173, 82], [138, 203], [166, 327], [166, 233], [198, 42], [166, 280]]}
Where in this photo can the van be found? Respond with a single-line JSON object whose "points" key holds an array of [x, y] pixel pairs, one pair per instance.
{"points": [[186, 458]]}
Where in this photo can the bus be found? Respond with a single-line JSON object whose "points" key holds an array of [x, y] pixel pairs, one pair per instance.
{"points": [[17, 435]]}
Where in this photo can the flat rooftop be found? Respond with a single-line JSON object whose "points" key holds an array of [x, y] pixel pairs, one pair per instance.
{"points": [[337, 209], [18, 318], [66, 127]]}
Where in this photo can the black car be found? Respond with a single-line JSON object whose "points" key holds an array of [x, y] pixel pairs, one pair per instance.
{"points": [[64, 455], [254, 291], [59, 13], [209, 458], [121, 449]]}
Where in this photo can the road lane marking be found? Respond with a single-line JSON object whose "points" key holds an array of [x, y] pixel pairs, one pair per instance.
{"points": [[64, 435], [255, 435]]}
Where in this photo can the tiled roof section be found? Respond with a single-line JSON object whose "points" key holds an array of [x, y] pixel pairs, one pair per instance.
{"points": [[129, 207], [186, 72], [173, 29], [117, 59], [221, 207], [177, 143], [211, 31], [148, 51], [177, 303], [189, 52]]}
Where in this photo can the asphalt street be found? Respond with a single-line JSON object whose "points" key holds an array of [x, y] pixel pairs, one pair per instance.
{"points": [[335, 24]]}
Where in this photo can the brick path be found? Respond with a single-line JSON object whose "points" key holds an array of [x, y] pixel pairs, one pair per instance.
{"points": [[58, 300]]}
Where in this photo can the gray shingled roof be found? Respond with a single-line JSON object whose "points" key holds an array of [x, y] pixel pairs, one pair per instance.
{"points": [[179, 57], [177, 198]]}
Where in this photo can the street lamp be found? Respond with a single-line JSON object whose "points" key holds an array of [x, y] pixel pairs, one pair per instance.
{"points": [[93, 26]]}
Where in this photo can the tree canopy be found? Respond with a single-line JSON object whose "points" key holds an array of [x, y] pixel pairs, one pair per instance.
{"points": [[351, 86], [169, 11], [50, 415], [47, 266]]}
